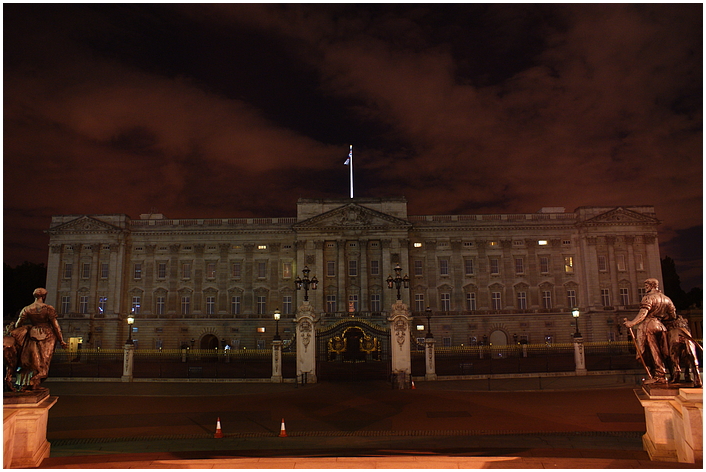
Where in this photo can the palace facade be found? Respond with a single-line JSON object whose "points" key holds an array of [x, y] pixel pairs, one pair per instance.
{"points": [[208, 283]]}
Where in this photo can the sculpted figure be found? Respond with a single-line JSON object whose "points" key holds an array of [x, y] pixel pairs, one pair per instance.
{"points": [[682, 352], [35, 333], [655, 308]]}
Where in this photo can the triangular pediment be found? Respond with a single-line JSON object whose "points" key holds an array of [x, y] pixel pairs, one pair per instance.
{"points": [[621, 216], [351, 216], [84, 224]]}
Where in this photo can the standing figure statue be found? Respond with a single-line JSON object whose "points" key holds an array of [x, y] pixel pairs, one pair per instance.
{"points": [[655, 308], [35, 334]]}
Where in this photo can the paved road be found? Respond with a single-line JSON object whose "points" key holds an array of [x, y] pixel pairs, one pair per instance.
{"points": [[594, 422]]}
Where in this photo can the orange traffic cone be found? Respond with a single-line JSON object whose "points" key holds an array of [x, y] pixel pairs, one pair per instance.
{"points": [[413, 387], [219, 433], [282, 431]]}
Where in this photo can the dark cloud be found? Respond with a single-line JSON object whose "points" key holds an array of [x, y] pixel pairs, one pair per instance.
{"points": [[216, 110]]}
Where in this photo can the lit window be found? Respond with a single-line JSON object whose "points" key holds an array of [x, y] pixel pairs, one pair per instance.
{"points": [[542, 242], [417, 244], [261, 329], [262, 246], [287, 270], [420, 327], [569, 264]]}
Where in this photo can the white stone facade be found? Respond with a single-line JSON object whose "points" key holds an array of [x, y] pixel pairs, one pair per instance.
{"points": [[210, 282]]}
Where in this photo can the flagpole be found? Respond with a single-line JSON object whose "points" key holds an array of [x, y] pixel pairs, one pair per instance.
{"points": [[350, 156]]}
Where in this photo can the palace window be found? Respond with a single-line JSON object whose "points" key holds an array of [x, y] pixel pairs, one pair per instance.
{"points": [[494, 266], [521, 300], [83, 304], [330, 303], [419, 302], [211, 270], [374, 267], [418, 268], [162, 270], [468, 265], [235, 270], [235, 305], [602, 265], [287, 305], [137, 271], [544, 264], [352, 268], [571, 300], [445, 301], [330, 269], [261, 305], [186, 270], [375, 302], [443, 267], [639, 265], [211, 305], [65, 304], [68, 270], [261, 270], [496, 301], [624, 296], [185, 305], [286, 270], [135, 310], [605, 297], [620, 261], [86, 270], [471, 301], [569, 264], [102, 303], [546, 299], [519, 265], [105, 270], [159, 308]]}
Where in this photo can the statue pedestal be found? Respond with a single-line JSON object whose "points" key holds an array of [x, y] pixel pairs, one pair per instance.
{"points": [[306, 343], [25, 418], [276, 362], [674, 418]]}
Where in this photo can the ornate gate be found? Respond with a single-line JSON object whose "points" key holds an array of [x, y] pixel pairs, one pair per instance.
{"points": [[353, 350]]}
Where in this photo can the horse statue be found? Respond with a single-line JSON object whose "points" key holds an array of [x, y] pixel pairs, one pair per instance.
{"points": [[682, 352]]}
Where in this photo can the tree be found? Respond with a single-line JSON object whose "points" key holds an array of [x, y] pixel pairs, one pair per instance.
{"points": [[672, 284], [18, 285]]}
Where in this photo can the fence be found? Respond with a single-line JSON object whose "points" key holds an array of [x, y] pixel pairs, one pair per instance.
{"points": [[526, 358], [257, 363], [171, 363]]}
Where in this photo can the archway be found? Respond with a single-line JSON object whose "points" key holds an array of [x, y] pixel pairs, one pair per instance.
{"points": [[209, 341], [498, 338]]}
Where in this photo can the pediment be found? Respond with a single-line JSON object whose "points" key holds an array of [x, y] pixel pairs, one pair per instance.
{"points": [[621, 216], [351, 216], [84, 224]]}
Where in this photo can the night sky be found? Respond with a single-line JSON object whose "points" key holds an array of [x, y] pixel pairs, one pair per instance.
{"points": [[238, 110]]}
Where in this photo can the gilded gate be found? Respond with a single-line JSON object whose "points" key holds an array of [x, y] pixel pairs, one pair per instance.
{"points": [[353, 349]]}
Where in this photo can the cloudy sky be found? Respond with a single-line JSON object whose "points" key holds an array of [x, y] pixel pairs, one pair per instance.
{"points": [[239, 110]]}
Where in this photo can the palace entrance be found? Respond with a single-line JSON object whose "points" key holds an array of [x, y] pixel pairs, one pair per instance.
{"points": [[353, 350]]}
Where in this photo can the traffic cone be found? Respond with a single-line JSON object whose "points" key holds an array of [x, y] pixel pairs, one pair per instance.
{"points": [[413, 387], [219, 433], [282, 431]]}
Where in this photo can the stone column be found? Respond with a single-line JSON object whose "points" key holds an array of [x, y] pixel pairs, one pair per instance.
{"points": [[28, 445], [128, 359], [306, 342], [430, 359], [579, 356], [277, 361], [400, 344]]}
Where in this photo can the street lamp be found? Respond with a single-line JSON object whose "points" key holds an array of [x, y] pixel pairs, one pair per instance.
{"points": [[306, 283], [575, 313], [428, 312], [130, 322], [398, 281], [277, 314]]}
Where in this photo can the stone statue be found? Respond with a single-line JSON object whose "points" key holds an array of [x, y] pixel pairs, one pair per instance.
{"points": [[663, 335], [35, 334]]}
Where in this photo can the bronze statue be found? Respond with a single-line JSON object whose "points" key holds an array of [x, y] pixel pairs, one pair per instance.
{"points": [[664, 335], [35, 334]]}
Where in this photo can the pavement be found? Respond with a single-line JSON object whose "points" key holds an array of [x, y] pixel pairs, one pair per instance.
{"points": [[562, 421]]}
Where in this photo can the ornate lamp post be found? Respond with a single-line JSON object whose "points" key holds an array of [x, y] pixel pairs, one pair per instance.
{"points": [[398, 281], [306, 283], [428, 312], [575, 313], [130, 322], [277, 315]]}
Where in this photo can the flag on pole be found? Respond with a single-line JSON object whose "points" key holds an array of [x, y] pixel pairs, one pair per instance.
{"points": [[349, 163]]}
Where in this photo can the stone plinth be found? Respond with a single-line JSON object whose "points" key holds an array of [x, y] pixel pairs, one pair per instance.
{"points": [[674, 423], [430, 359], [128, 361], [28, 443], [276, 361], [579, 356], [400, 344], [306, 342]]}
